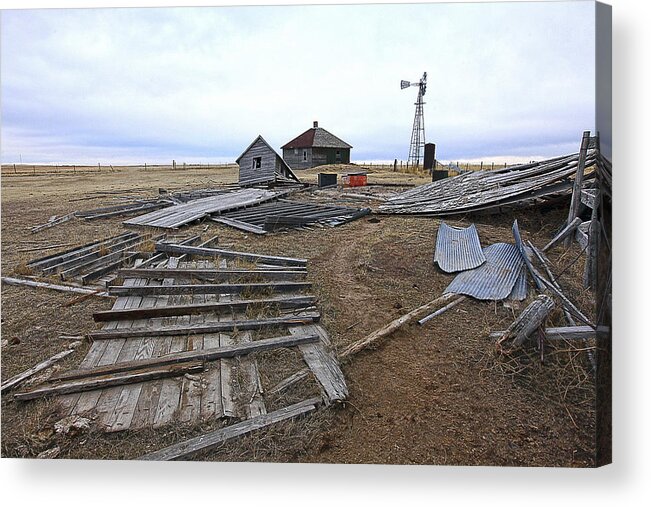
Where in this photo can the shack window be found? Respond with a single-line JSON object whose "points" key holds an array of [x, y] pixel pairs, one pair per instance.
{"points": [[257, 162], [304, 155], [338, 156]]}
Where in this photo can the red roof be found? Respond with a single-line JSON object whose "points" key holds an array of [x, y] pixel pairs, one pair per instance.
{"points": [[305, 140]]}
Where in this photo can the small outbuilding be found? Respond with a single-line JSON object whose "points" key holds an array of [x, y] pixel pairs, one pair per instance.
{"points": [[261, 164], [314, 147]]}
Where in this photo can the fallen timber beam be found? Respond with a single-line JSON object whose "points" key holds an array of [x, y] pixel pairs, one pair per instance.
{"points": [[212, 274], [210, 288], [21, 377], [199, 308], [110, 380], [567, 230], [560, 333], [208, 441], [202, 355], [214, 327], [393, 326], [215, 252], [60, 288]]}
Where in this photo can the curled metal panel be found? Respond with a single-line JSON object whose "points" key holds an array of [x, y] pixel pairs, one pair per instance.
{"points": [[520, 289], [493, 280], [458, 249]]}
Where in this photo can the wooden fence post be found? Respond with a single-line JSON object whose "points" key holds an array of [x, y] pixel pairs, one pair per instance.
{"points": [[173, 164], [578, 183]]}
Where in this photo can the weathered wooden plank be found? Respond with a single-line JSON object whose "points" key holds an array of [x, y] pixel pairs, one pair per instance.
{"points": [[560, 333], [199, 308], [52, 286], [578, 183], [126, 377], [210, 440], [191, 355], [211, 399], [212, 327], [221, 288], [230, 254], [119, 417], [214, 274], [568, 229], [323, 364], [191, 386], [89, 400], [237, 224], [16, 380]]}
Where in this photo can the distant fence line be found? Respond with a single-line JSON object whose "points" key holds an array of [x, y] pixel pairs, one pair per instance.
{"points": [[43, 169]]}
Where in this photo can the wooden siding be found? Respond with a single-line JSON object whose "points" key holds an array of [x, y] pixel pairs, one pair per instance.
{"points": [[267, 170], [295, 161], [315, 157]]}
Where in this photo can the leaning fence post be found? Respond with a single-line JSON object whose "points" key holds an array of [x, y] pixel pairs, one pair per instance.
{"points": [[578, 183]]}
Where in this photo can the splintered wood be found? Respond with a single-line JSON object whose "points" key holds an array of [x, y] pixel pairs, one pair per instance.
{"points": [[184, 356]]}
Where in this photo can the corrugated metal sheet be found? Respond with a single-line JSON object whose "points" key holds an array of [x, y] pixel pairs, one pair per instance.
{"points": [[520, 289], [458, 249], [493, 280]]}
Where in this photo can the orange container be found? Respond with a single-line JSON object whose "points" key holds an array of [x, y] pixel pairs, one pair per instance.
{"points": [[357, 180]]}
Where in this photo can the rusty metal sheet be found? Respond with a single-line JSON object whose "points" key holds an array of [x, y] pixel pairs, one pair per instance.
{"points": [[458, 249], [493, 280]]}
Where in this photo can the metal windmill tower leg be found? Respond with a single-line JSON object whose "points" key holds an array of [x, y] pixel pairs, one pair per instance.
{"points": [[417, 144]]}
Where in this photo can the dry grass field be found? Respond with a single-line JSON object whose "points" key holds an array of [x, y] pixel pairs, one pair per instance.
{"points": [[436, 394]]}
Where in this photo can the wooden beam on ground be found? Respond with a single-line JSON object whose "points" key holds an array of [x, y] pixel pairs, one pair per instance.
{"points": [[52, 286], [202, 355], [230, 254], [21, 377], [324, 364], [221, 275], [213, 327], [567, 230], [199, 308], [189, 448], [234, 288], [393, 326], [53, 223], [560, 333], [110, 380]]}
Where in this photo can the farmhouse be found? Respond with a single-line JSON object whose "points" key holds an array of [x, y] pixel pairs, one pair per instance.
{"points": [[316, 146], [261, 164]]}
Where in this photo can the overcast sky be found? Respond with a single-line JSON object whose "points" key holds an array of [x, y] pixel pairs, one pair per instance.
{"points": [[150, 85]]}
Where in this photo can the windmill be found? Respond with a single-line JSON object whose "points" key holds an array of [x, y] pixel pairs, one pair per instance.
{"points": [[418, 133]]}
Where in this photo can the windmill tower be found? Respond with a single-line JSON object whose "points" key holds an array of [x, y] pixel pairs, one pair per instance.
{"points": [[417, 144]]}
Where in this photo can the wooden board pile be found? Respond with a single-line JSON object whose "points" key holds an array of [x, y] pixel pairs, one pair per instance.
{"points": [[90, 262], [284, 214], [491, 190], [179, 343], [182, 214]]}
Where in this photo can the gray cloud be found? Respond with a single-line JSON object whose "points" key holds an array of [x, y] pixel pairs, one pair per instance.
{"points": [[119, 85]]}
